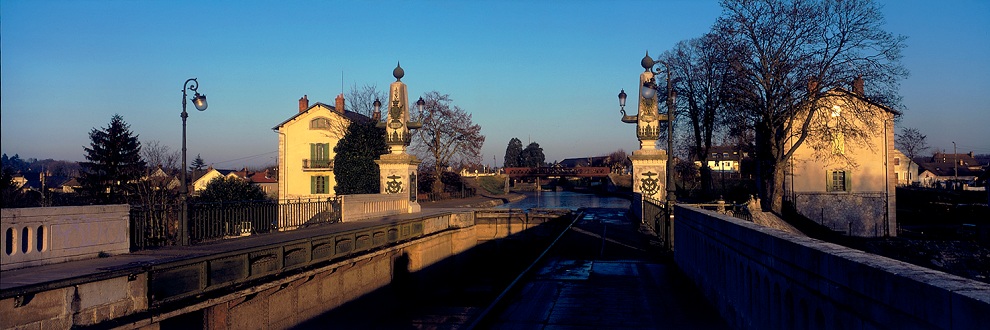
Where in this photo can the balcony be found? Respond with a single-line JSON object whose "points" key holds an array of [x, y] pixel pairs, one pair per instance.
{"points": [[317, 164]]}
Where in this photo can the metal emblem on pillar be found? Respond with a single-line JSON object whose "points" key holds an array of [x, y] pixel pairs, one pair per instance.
{"points": [[398, 169]]}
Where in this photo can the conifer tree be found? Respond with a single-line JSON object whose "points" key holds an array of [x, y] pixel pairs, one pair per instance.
{"points": [[354, 165], [113, 162]]}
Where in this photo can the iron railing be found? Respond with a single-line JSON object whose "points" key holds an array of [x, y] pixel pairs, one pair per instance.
{"points": [[157, 226], [658, 220]]}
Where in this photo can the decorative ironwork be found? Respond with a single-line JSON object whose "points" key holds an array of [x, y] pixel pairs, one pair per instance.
{"points": [[650, 185], [394, 186], [649, 132]]}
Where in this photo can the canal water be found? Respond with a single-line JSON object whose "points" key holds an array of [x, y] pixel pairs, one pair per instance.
{"points": [[566, 199]]}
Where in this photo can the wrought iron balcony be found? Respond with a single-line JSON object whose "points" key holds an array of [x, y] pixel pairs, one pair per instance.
{"points": [[318, 164]]}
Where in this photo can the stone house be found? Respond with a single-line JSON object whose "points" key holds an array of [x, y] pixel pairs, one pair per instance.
{"points": [[305, 148], [847, 184]]}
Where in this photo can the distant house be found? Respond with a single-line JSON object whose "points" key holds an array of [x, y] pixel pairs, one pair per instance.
{"points": [[943, 170], [305, 148], [905, 169], [847, 184], [726, 159], [160, 179], [211, 173], [264, 180]]}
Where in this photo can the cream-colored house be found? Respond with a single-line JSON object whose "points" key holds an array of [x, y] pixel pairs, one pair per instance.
{"points": [[211, 173], [305, 148], [847, 183]]}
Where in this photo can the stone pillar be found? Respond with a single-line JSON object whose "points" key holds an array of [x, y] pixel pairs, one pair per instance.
{"points": [[398, 170], [398, 174], [649, 164], [649, 173]]}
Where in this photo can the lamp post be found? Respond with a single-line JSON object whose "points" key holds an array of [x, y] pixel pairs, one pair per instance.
{"points": [[199, 101]]}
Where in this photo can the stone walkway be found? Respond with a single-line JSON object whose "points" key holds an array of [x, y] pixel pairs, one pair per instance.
{"points": [[605, 275]]}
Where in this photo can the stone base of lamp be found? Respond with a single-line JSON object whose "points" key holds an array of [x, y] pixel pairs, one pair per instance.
{"points": [[398, 174], [649, 173]]}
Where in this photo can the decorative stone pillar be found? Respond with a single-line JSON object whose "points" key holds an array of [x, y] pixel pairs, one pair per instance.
{"points": [[398, 170], [648, 163]]}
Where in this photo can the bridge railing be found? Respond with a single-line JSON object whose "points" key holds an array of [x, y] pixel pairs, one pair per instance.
{"points": [[656, 218], [154, 226]]}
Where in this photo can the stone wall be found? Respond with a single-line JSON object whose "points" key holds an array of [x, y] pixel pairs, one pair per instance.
{"points": [[84, 304], [762, 278], [47, 235], [856, 214]]}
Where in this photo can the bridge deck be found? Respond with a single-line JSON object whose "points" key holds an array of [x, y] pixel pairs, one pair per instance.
{"points": [[605, 275]]}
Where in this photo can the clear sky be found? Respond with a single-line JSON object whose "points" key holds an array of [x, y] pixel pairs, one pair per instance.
{"points": [[543, 71]]}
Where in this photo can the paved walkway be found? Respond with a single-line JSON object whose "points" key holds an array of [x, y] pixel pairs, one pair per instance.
{"points": [[605, 274]]}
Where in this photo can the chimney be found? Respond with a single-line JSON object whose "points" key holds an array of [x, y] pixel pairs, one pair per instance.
{"points": [[340, 103], [303, 103], [858, 85]]}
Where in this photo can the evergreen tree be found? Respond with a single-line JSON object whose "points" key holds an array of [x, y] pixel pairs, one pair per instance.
{"points": [[225, 189], [532, 156], [513, 153], [113, 162], [354, 165], [197, 164]]}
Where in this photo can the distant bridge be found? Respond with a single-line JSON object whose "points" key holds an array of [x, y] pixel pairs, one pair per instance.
{"points": [[545, 172]]}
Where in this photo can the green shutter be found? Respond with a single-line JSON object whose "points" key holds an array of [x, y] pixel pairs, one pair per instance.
{"points": [[312, 185], [848, 177], [312, 151], [828, 181]]}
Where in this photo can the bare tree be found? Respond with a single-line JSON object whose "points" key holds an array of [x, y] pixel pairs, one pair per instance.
{"points": [[448, 136], [911, 142], [157, 192], [701, 68], [787, 56], [361, 99]]}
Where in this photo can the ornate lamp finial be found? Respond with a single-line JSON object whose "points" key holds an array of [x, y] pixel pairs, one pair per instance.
{"points": [[647, 61], [398, 73]]}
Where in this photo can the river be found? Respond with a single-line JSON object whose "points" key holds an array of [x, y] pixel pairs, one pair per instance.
{"points": [[566, 199]]}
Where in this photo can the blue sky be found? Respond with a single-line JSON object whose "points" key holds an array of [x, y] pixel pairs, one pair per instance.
{"points": [[545, 71]]}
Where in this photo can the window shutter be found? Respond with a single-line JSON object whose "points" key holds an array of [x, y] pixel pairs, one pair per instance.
{"points": [[312, 185], [326, 185], [848, 177], [312, 151], [828, 180]]}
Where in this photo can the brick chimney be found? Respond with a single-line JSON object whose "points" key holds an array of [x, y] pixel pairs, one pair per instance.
{"points": [[303, 103], [340, 103], [858, 85]]}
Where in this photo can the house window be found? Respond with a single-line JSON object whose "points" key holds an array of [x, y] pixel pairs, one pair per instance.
{"points": [[319, 123], [320, 184], [897, 161], [319, 155], [837, 181]]}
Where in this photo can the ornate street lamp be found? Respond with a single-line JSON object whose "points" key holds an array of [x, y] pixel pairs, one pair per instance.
{"points": [[199, 101], [648, 119]]}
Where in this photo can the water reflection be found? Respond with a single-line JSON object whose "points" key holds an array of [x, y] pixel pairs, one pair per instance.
{"points": [[566, 199]]}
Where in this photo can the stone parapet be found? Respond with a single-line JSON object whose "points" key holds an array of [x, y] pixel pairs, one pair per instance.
{"points": [[47, 235], [763, 278]]}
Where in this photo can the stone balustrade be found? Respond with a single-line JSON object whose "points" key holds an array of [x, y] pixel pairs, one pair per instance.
{"points": [[367, 206], [47, 235]]}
